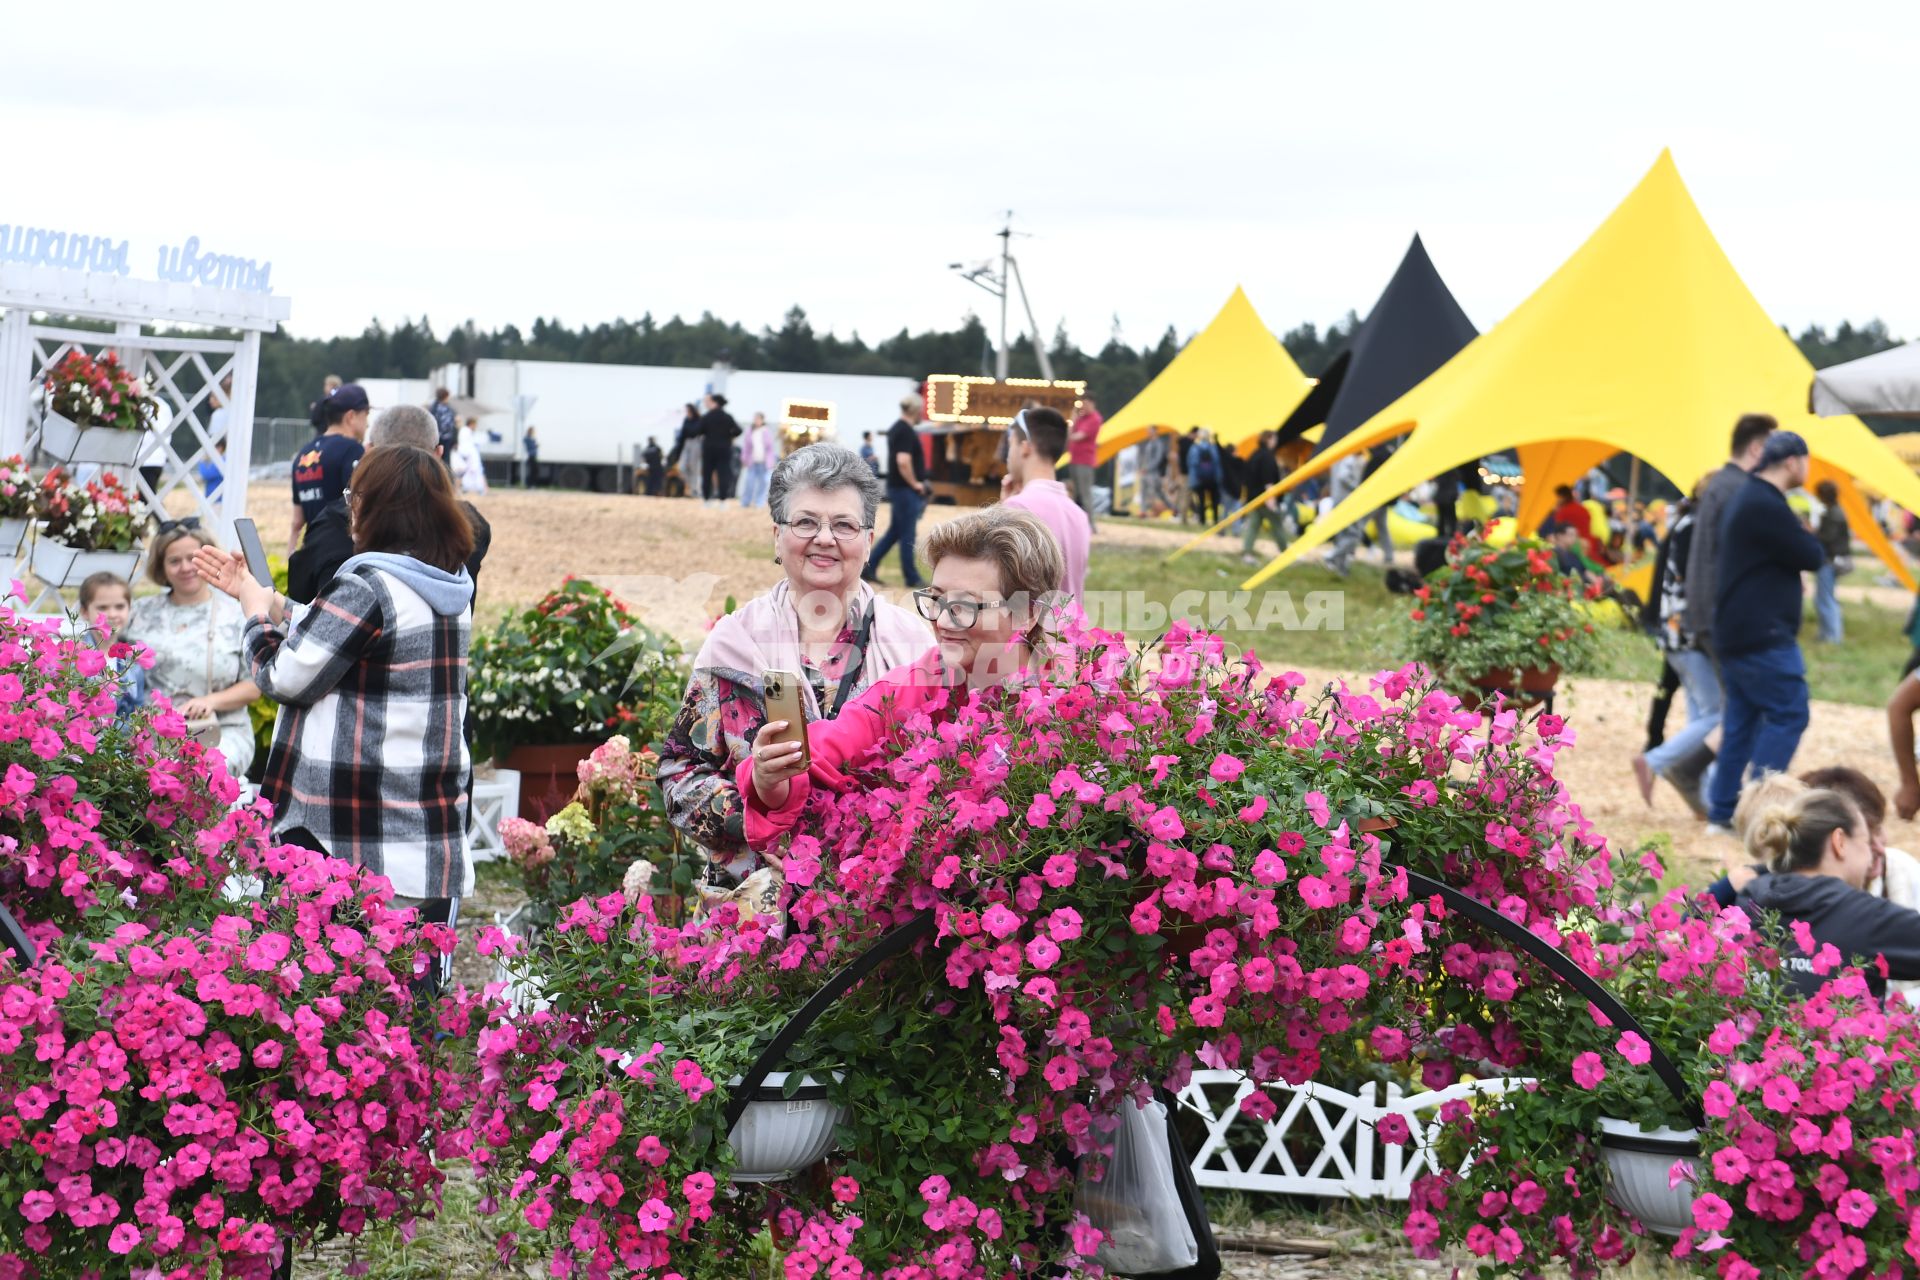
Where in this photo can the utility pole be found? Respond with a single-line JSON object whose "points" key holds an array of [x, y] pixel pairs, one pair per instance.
{"points": [[1001, 285]]}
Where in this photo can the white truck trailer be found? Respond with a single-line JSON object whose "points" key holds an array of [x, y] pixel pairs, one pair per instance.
{"points": [[592, 420]]}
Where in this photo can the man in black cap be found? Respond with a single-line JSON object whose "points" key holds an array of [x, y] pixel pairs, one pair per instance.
{"points": [[1756, 624], [320, 471], [718, 431]]}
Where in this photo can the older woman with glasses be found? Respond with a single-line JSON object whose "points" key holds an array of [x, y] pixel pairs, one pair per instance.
{"points": [[820, 622], [996, 576]]}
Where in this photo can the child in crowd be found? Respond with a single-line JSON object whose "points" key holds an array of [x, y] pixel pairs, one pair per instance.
{"points": [[106, 601]]}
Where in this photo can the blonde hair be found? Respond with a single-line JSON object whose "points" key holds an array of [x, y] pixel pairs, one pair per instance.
{"points": [[157, 552], [1016, 543], [1793, 835], [1761, 794]]}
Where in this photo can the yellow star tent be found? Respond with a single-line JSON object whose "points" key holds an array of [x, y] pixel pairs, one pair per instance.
{"points": [[1234, 378], [1644, 342]]}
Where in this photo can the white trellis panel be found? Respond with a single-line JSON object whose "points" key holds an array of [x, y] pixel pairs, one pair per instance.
{"points": [[1321, 1142], [183, 370]]}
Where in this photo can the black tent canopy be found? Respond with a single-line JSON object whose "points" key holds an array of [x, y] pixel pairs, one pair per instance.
{"points": [[1413, 329]]}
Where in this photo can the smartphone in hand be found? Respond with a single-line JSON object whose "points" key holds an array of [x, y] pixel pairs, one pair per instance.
{"points": [[255, 553], [782, 693]]}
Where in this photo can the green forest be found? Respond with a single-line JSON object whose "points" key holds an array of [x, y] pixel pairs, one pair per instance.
{"points": [[293, 368]]}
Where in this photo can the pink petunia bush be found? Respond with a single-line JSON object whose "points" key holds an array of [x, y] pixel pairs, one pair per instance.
{"points": [[191, 1085], [1140, 864]]}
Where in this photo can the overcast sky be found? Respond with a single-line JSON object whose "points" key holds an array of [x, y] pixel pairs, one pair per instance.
{"points": [[591, 161]]}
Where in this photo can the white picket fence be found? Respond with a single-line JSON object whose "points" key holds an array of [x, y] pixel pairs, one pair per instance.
{"points": [[1321, 1142]]}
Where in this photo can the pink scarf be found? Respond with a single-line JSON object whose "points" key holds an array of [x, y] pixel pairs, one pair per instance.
{"points": [[764, 635]]}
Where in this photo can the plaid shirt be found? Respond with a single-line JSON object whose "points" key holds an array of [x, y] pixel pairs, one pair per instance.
{"points": [[368, 753]]}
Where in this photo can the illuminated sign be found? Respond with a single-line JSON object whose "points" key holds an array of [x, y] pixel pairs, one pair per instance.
{"points": [[814, 416], [954, 397]]}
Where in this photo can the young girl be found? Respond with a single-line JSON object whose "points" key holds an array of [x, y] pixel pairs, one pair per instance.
{"points": [[106, 601]]}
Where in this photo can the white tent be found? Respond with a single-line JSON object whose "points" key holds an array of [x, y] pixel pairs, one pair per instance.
{"points": [[1886, 382]]}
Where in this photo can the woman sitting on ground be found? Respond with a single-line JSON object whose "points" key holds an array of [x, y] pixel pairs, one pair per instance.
{"points": [[1818, 853], [195, 636], [819, 621], [994, 575], [368, 762]]}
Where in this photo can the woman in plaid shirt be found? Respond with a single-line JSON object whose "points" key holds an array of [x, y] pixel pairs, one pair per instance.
{"points": [[368, 762]]}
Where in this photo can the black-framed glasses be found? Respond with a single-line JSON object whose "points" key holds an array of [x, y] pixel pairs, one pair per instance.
{"points": [[959, 611], [191, 522], [807, 529]]}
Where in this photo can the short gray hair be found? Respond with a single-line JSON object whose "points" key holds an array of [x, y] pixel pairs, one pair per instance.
{"points": [[406, 424], [825, 467]]}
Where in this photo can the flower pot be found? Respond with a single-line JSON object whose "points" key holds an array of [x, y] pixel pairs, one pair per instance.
{"points": [[777, 1135], [548, 777], [66, 441], [1524, 688], [59, 565], [1639, 1168], [13, 532]]}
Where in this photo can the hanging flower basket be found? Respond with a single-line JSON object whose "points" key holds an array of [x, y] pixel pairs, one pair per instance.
{"points": [[13, 532], [1640, 1167], [779, 1134], [59, 565], [64, 441]]}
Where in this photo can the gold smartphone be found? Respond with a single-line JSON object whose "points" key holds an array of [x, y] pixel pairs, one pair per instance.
{"points": [[782, 692]]}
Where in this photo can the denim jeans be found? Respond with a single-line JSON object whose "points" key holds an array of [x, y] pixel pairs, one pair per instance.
{"points": [[1766, 712], [903, 507], [753, 485], [1702, 685], [1826, 605]]}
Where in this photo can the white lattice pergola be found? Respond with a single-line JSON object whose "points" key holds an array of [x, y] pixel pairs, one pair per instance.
{"points": [[1321, 1143], [184, 371]]}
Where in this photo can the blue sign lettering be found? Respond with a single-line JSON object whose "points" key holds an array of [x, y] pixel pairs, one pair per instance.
{"points": [[187, 265], [38, 247]]}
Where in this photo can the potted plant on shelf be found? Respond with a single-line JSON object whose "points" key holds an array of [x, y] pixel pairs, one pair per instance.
{"points": [[19, 503], [1502, 619], [96, 411], [90, 528], [551, 684]]}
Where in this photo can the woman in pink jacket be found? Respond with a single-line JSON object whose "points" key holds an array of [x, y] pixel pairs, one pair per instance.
{"points": [[995, 573]]}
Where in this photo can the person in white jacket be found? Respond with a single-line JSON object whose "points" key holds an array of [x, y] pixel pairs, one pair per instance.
{"points": [[468, 467]]}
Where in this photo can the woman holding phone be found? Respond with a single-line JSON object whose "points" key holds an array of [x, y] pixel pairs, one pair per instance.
{"points": [[995, 575], [368, 761], [820, 623], [195, 636]]}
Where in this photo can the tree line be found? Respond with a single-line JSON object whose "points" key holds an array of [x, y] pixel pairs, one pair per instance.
{"points": [[292, 368]]}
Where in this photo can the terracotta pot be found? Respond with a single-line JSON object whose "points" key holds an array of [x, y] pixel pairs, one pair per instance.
{"points": [[548, 776], [1524, 688]]}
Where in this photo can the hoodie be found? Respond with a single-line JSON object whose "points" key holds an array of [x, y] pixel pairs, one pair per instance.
{"points": [[446, 593], [1859, 925]]}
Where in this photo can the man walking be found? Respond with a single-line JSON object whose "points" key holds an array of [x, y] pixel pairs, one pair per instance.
{"points": [[656, 464], [1343, 478], [447, 422], [1262, 472], [1153, 472], [1756, 624], [530, 444], [1677, 759], [718, 431], [1034, 443], [906, 495], [1082, 452], [1703, 558]]}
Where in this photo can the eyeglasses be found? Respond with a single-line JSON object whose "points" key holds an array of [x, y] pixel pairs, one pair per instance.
{"points": [[807, 529], [191, 522], [959, 611]]}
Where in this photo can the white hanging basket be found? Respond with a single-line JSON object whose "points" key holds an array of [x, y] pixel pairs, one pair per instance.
{"points": [[777, 1135], [59, 565], [1639, 1167], [65, 441], [13, 532]]}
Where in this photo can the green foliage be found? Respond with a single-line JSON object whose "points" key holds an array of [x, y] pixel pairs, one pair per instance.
{"points": [[577, 667]]}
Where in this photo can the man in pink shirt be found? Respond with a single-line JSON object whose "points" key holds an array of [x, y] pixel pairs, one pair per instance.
{"points": [[1034, 444], [1082, 441]]}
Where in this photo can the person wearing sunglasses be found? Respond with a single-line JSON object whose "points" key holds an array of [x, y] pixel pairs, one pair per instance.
{"points": [[819, 621], [994, 576], [1035, 440]]}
